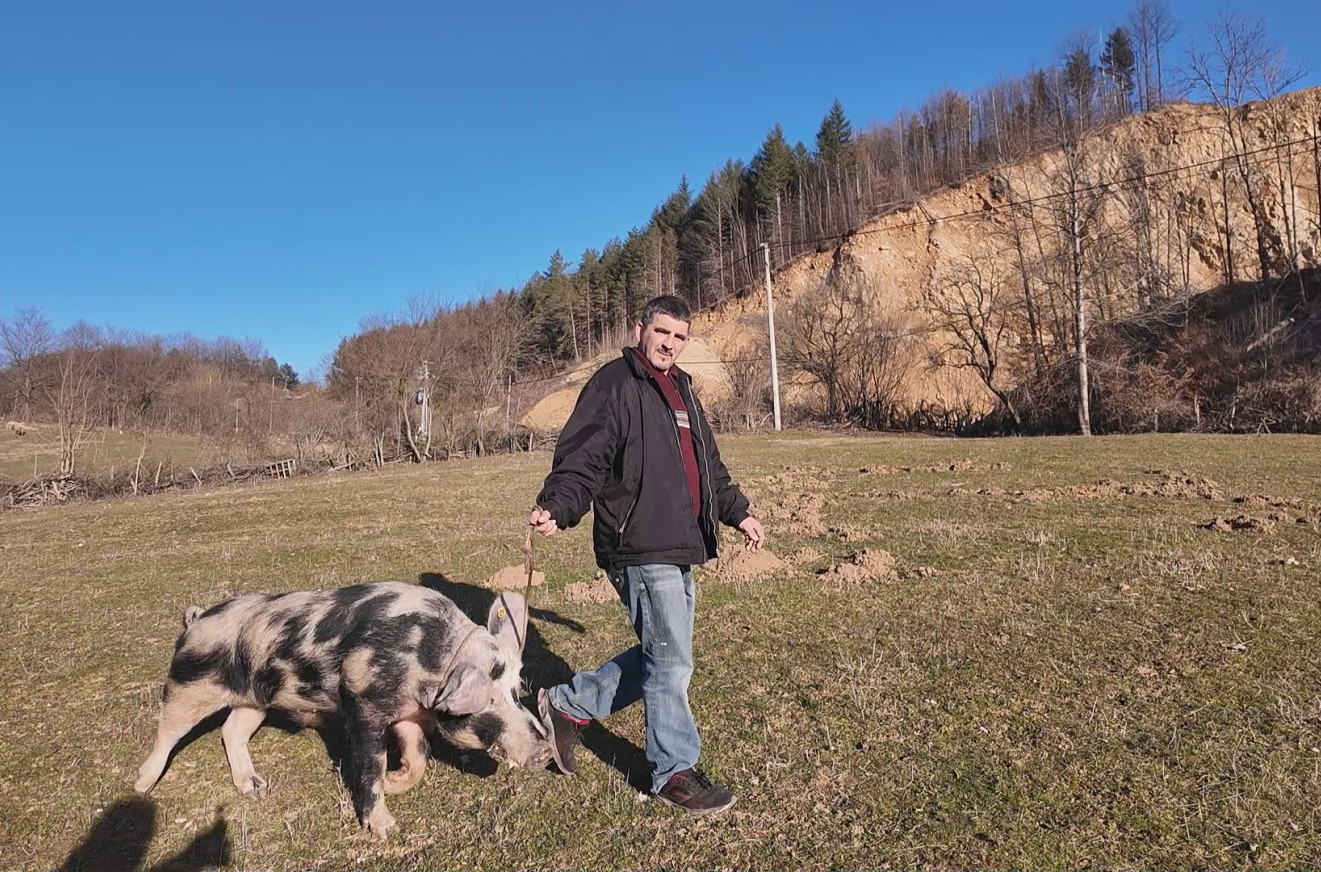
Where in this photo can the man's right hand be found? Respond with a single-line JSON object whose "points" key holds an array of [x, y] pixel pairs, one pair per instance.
{"points": [[541, 521]]}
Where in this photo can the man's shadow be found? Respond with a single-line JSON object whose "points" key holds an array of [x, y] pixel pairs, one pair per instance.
{"points": [[544, 668], [119, 839]]}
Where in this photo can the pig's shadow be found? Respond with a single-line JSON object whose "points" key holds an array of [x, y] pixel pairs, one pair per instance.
{"points": [[544, 668], [119, 839]]}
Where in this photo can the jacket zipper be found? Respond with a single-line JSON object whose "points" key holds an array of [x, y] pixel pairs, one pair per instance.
{"points": [[693, 417]]}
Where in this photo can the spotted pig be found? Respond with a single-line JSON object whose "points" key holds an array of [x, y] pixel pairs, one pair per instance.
{"points": [[384, 656]]}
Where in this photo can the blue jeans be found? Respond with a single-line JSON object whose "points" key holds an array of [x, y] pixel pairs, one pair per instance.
{"points": [[661, 601]]}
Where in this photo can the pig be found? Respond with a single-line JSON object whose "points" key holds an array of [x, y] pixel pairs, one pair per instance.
{"points": [[384, 656]]}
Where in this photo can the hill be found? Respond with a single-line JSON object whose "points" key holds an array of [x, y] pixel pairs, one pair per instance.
{"points": [[1163, 205]]}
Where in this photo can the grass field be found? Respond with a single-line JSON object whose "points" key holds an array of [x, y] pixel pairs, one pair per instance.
{"points": [[1066, 668], [37, 452]]}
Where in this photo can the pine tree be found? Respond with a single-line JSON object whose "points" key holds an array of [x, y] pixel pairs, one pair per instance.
{"points": [[1119, 65], [774, 171], [834, 139], [1080, 83], [288, 377]]}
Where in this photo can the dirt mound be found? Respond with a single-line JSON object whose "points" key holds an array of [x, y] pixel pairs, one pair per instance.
{"points": [[745, 566], [1239, 522], [869, 564], [514, 578], [598, 590]]}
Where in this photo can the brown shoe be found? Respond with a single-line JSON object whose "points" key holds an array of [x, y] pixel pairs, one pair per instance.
{"points": [[564, 733], [692, 791]]}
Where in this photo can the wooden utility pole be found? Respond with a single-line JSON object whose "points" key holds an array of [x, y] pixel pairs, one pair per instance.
{"points": [[770, 325]]}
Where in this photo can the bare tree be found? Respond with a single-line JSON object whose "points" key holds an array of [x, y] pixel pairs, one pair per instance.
{"points": [[972, 313], [75, 392], [24, 340], [495, 334], [837, 337], [1075, 213], [1236, 61], [1276, 76], [1153, 27], [749, 382]]}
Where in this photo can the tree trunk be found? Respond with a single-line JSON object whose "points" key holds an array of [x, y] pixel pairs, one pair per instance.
{"points": [[1080, 328]]}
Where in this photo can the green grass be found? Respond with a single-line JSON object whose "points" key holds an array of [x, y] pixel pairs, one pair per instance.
{"points": [[1071, 679]]}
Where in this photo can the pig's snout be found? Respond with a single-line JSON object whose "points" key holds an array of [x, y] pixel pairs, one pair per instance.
{"points": [[540, 759], [536, 756]]}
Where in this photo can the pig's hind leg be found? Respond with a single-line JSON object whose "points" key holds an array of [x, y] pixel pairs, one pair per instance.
{"points": [[413, 754], [239, 727], [186, 706]]}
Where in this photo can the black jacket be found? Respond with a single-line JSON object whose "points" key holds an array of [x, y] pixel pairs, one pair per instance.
{"points": [[619, 454]]}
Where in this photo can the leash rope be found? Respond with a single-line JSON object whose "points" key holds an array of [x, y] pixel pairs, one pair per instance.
{"points": [[529, 546]]}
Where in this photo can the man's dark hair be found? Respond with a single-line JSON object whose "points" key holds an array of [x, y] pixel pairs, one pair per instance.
{"points": [[666, 304]]}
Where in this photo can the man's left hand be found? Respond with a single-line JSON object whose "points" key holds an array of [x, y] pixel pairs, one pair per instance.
{"points": [[753, 533]]}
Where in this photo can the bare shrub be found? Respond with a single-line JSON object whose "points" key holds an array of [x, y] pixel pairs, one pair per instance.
{"points": [[747, 403], [839, 339]]}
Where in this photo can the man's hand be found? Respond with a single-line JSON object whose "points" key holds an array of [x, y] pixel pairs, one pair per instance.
{"points": [[753, 534], [541, 521]]}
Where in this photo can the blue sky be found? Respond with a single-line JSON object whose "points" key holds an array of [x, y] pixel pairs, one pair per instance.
{"points": [[282, 170]]}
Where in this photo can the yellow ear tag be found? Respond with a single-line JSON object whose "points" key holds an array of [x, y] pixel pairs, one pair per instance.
{"points": [[502, 614]]}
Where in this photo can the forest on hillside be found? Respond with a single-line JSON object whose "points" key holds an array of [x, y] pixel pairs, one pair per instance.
{"points": [[433, 380]]}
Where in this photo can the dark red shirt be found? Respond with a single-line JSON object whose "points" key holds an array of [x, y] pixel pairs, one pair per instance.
{"points": [[670, 388]]}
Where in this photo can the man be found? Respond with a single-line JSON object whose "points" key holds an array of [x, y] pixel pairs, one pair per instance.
{"points": [[639, 451]]}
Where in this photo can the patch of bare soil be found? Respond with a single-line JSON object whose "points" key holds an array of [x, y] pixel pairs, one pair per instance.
{"points": [[845, 532], [803, 555], [1298, 512], [867, 565], [744, 566], [792, 500], [1177, 486], [965, 465], [797, 511], [893, 496], [1239, 522], [598, 590], [514, 578]]}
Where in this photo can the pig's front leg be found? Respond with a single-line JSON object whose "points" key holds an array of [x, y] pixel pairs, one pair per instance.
{"points": [[366, 727]]}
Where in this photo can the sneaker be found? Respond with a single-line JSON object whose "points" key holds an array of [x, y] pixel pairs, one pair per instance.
{"points": [[564, 732], [692, 791]]}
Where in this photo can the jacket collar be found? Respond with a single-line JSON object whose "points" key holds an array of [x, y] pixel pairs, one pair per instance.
{"points": [[640, 370]]}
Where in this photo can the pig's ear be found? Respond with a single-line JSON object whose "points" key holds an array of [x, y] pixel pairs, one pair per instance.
{"points": [[467, 692], [507, 621]]}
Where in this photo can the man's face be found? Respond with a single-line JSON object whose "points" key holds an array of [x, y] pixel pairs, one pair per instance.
{"points": [[661, 341]]}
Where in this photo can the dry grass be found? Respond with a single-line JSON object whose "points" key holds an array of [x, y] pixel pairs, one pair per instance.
{"points": [[1068, 681], [37, 452]]}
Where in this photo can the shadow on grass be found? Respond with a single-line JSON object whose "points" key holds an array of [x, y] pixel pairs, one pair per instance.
{"points": [[119, 839], [544, 668]]}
